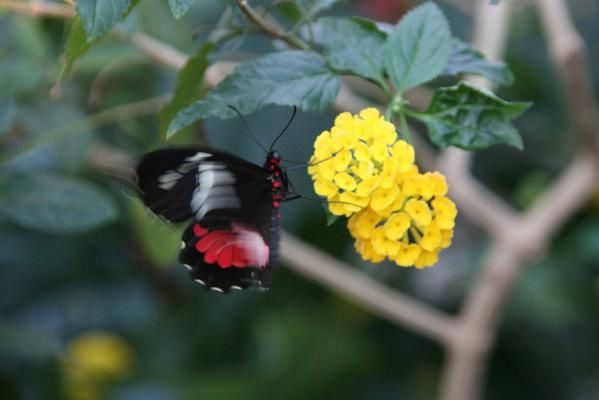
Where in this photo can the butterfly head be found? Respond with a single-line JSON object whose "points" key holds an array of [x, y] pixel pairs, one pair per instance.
{"points": [[273, 159]]}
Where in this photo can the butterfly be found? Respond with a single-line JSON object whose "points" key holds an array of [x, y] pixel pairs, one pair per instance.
{"points": [[232, 241]]}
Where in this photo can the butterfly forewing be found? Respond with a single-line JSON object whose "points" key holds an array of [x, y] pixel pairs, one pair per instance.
{"points": [[232, 239]]}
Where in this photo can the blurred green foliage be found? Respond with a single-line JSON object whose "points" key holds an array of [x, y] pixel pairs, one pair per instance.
{"points": [[298, 341]]}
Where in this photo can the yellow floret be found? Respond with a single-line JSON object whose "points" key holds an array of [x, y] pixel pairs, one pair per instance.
{"points": [[383, 198], [382, 245], [431, 239], [419, 211], [407, 255], [446, 237], [352, 202], [403, 152], [345, 181], [439, 182], [342, 160], [379, 151], [419, 185], [362, 152], [426, 259], [365, 249], [367, 186], [325, 188], [445, 212], [364, 223], [397, 225], [389, 172]]}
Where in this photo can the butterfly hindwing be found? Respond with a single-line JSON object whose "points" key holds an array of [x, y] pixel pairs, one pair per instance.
{"points": [[226, 256]]}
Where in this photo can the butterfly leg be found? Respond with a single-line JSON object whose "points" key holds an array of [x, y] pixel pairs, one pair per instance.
{"points": [[293, 196]]}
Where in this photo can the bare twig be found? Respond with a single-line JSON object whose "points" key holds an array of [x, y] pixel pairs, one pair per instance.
{"points": [[108, 116], [38, 8], [269, 28], [524, 236], [570, 56], [358, 288]]}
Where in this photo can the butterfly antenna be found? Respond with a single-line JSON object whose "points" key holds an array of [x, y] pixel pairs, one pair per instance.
{"points": [[323, 201], [247, 127], [284, 129], [308, 164]]}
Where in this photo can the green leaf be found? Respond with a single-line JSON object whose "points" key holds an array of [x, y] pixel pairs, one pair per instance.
{"points": [[189, 86], [99, 16], [471, 118], [159, 241], [286, 78], [464, 59], [331, 218], [78, 42], [418, 49], [76, 45], [353, 45], [179, 7], [54, 204]]}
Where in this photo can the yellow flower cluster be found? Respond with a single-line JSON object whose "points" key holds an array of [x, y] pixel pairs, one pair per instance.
{"points": [[93, 361], [368, 175]]}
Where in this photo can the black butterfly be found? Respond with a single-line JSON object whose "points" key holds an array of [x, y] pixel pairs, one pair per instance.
{"points": [[233, 238]]}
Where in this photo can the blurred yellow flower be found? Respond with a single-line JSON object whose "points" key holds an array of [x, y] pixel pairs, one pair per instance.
{"points": [[92, 361], [368, 175]]}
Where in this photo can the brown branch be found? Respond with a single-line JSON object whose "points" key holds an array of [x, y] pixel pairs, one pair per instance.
{"points": [[569, 54], [269, 28], [358, 288], [525, 236], [38, 8]]}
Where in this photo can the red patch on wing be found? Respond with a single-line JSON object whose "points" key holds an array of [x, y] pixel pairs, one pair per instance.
{"points": [[240, 247]]}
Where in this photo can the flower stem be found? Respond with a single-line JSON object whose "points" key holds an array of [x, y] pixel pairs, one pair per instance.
{"points": [[404, 128]]}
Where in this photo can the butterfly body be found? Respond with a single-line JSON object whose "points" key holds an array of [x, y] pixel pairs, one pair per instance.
{"points": [[232, 240]]}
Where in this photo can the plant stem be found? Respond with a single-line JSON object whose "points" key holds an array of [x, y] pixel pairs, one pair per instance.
{"points": [[404, 129], [389, 113], [269, 28], [101, 118]]}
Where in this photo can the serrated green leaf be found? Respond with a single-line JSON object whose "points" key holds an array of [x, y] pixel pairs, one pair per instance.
{"points": [[76, 45], [179, 7], [285, 78], [79, 42], [189, 87], [471, 118], [159, 241], [353, 45], [54, 204], [464, 59], [99, 16], [418, 49]]}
